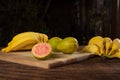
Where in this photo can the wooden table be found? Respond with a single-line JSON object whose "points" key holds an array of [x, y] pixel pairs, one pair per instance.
{"points": [[94, 68]]}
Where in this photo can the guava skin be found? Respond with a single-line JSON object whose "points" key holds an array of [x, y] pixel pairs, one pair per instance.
{"points": [[54, 41], [68, 45], [43, 58]]}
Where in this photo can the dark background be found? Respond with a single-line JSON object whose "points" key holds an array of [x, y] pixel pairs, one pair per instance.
{"points": [[81, 19]]}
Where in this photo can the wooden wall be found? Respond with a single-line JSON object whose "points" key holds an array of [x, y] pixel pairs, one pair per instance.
{"points": [[116, 19], [59, 19]]}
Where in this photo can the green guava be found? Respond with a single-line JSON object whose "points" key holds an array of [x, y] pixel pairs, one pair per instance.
{"points": [[42, 50], [54, 41], [68, 45]]}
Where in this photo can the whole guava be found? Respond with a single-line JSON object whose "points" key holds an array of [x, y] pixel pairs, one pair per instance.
{"points": [[68, 45], [54, 41]]}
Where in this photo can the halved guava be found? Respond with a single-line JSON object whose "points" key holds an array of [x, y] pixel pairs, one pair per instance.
{"points": [[41, 50]]}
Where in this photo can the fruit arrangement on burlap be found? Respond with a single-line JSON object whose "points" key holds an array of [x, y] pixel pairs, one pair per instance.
{"points": [[103, 46]]}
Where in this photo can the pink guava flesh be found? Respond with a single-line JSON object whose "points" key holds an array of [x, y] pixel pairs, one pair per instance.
{"points": [[41, 49]]}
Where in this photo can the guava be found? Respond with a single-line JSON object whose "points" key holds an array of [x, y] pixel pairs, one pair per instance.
{"points": [[41, 50], [68, 45], [54, 41]]}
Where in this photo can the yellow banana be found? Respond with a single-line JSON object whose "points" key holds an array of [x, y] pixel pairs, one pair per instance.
{"points": [[107, 43], [20, 44], [115, 55], [25, 41], [103, 47], [98, 40], [25, 34], [20, 35], [45, 38], [115, 46], [27, 47], [91, 49]]}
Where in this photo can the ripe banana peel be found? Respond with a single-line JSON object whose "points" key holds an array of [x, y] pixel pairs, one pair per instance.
{"points": [[91, 49], [115, 46], [108, 44], [116, 54], [25, 41], [103, 46], [20, 35], [98, 41]]}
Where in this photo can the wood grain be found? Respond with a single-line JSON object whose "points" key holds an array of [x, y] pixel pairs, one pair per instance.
{"points": [[94, 68], [58, 59]]}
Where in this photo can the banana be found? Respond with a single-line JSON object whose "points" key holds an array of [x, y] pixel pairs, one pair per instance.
{"points": [[107, 43], [20, 35], [103, 47], [42, 37], [45, 38], [27, 47], [25, 41], [115, 46], [115, 55], [20, 44], [93, 49], [98, 41]]}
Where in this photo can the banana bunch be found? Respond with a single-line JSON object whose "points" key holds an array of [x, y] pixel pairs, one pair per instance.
{"points": [[103, 47], [25, 41]]}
